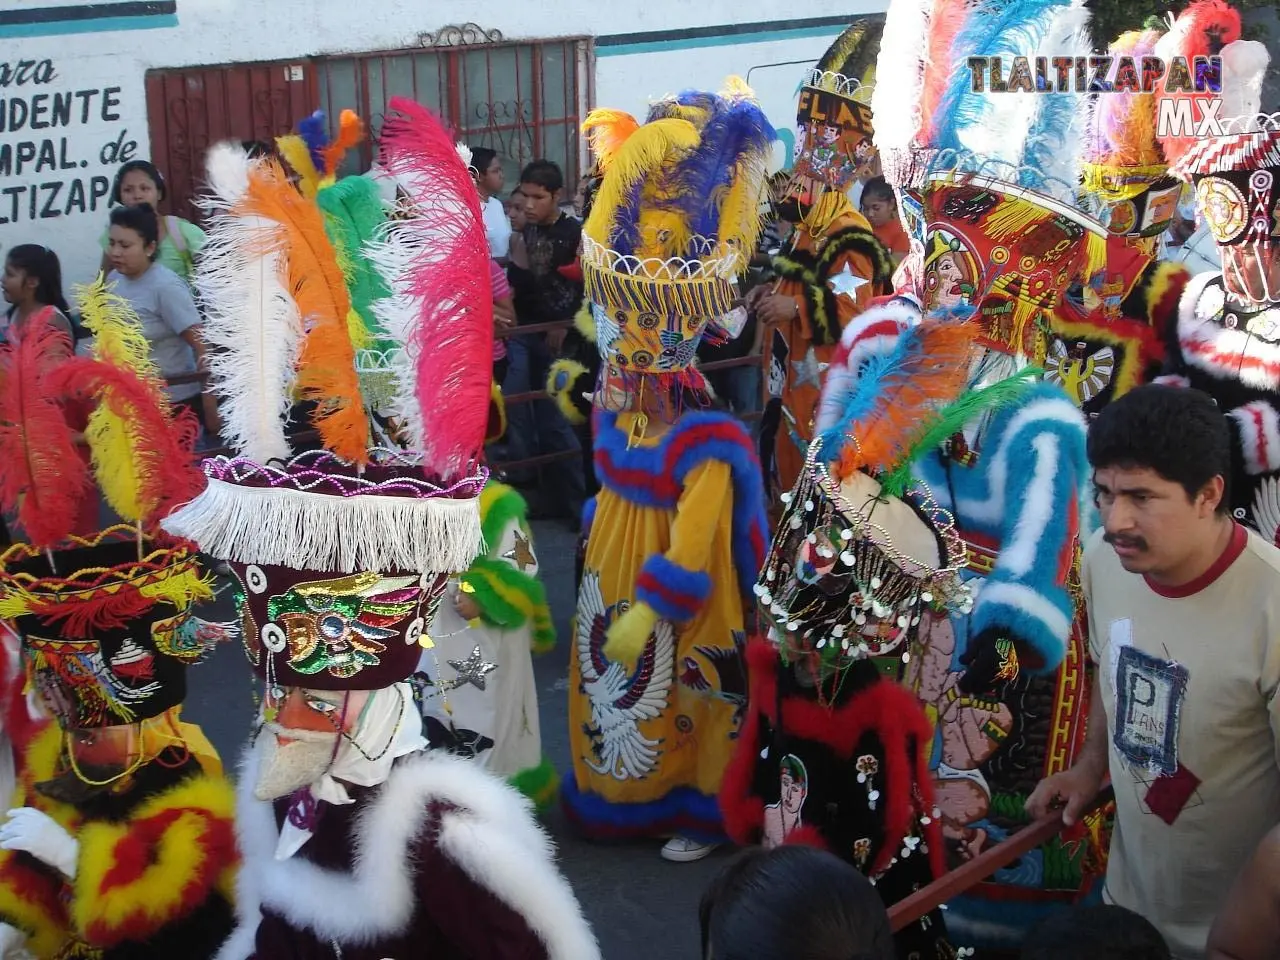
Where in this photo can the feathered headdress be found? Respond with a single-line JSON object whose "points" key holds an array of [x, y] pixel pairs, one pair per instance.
{"points": [[1202, 30], [435, 262], [350, 508], [313, 156], [674, 220]]}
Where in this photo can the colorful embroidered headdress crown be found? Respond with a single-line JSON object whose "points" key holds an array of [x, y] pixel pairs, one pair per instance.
{"points": [[1237, 176], [1123, 170], [342, 553], [994, 174], [672, 225], [105, 617], [833, 122]]}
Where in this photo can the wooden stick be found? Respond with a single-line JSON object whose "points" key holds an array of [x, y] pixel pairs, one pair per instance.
{"points": [[906, 912], [139, 539], [53, 567]]}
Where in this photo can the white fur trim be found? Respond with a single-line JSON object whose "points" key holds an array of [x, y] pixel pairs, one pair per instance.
{"points": [[1026, 600], [1223, 352], [313, 531], [1172, 380], [490, 834], [1018, 555], [991, 509], [900, 311], [1259, 428]]}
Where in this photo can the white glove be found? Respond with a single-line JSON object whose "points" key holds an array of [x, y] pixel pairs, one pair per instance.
{"points": [[13, 943], [39, 835]]}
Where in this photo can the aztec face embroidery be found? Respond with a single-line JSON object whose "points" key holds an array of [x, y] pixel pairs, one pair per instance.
{"points": [[951, 271], [341, 625], [620, 701], [781, 818], [1149, 697]]}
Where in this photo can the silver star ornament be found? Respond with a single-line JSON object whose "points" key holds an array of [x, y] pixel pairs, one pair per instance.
{"points": [[471, 670], [846, 283]]}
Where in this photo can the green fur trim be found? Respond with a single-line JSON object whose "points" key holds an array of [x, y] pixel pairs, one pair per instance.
{"points": [[541, 784], [813, 271], [499, 505], [506, 597], [544, 631]]}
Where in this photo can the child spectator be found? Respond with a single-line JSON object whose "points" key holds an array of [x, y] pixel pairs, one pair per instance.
{"points": [[880, 207], [1248, 927]]}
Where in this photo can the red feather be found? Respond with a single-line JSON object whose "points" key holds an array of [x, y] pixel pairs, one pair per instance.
{"points": [[1202, 30], [165, 459], [41, 473], [453, 338]]}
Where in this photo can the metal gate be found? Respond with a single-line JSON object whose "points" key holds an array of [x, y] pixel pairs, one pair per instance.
{"points": [[524, 100], [189, 110]]}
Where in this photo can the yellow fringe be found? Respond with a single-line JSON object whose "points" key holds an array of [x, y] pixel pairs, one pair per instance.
{"points": [[1095, 252], [1011, 217], [564, 398]]}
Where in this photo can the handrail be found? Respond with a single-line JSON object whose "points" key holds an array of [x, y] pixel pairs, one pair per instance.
{"points": [[970, 874]]}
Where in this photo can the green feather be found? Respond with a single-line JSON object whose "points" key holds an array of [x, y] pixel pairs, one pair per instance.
{"points": [[951, 419], [353, 213]]}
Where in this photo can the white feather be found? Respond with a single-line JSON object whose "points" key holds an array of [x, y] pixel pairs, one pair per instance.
{"points": [[250, 321], [1244, 68], [394, 254], [1068, 34], [900, 68]]}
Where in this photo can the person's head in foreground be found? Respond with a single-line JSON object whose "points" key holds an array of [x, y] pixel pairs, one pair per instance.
{"points": [[1161, 456], [1099, 932], [793, 903]]}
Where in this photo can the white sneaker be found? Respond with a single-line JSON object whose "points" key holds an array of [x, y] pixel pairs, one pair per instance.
{"points": [[684, 850]]}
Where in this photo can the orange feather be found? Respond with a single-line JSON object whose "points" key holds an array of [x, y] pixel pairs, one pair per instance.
{"points": [[326, 369], [933, 380], [607, 131], [350, 133]]}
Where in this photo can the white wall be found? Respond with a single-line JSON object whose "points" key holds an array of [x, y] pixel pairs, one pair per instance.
{"points": [[97, 69]]}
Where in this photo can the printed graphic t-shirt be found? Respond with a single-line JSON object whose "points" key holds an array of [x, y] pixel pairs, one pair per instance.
{"points": [[1188, 678]]}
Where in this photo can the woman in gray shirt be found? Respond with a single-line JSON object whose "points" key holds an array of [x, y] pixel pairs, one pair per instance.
{"points": [[162, 301]]}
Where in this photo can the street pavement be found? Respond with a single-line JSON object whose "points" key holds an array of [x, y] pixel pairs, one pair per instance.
{"points": [[642, 908]]}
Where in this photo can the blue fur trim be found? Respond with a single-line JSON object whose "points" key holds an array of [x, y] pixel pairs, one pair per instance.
{"points": [[676, 592], [991, 513], [656, 476], [683, 811], [588, 514]]}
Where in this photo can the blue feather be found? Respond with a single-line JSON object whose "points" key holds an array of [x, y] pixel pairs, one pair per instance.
{"points": [[1000, 28], [872, 382], [314, 131]]}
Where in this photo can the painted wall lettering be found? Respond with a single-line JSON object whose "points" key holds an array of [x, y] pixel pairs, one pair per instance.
{"points": [[61, 141]]}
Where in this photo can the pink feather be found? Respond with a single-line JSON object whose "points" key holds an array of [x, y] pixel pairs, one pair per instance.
{"points": [[945, 21], [452, 339]]}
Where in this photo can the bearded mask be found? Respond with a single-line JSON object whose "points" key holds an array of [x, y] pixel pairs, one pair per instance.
{"points": [[293, 759]]}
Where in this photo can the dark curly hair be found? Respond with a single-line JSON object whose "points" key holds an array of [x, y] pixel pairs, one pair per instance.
{"points": [[1179, 433]]}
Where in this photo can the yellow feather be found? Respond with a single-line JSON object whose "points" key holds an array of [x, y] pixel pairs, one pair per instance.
{"points": [[298, 155], [626, 639], [735, 88], [608, 130], [645, 151], [115, 439]]}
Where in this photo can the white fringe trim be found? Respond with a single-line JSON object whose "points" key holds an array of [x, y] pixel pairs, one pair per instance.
{"points": [[324, 532]]}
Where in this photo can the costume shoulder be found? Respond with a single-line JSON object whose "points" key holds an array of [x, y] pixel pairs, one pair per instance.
{"points": [[653, 475], [855, 238], [175, 852], [481, 825]]}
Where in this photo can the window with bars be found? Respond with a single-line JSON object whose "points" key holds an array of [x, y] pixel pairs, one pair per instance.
{"points": [[525, 101]]}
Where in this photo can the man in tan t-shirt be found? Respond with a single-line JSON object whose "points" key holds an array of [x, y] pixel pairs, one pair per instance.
{"points": [[1184, 626]]}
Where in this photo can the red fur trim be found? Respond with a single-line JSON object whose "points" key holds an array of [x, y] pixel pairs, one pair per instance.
{"points": [[806, 835], [742, 810], [886, 709], [134, 854], [37, 886]]}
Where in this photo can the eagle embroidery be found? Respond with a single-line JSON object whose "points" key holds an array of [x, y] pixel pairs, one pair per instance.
{"points": [[620, 701]]}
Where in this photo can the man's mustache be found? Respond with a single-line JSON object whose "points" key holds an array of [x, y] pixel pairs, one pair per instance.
{"points": [[1119, 540]]}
